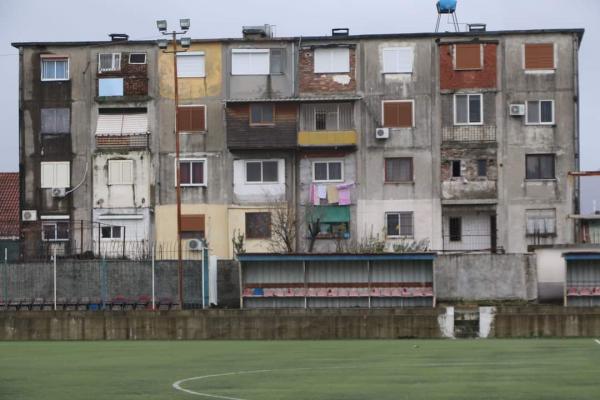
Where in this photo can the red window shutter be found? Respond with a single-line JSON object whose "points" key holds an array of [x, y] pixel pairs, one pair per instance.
{"points": [[192, 223], [398, 114], [405, 114], [191, 119], [539, 56], [390, 115], [468, 56]]}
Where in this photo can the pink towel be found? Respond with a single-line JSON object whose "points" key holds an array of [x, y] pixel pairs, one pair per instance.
{"points": [[344, 197], [314, 196]]}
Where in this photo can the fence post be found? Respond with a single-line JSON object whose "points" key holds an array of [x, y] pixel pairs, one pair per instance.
{"points": [[54, 259], [153, 283], [103, 281], [5, 280], [124, 232], [205, 278]]}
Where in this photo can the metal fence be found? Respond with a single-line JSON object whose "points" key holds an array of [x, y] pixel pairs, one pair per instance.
{"points": [[482, 133]]}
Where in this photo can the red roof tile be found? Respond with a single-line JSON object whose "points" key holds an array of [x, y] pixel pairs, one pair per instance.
{"points": [[9, 204]]}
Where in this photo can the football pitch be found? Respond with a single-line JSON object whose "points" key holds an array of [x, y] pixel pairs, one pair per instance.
{"points": [[311, 370]]}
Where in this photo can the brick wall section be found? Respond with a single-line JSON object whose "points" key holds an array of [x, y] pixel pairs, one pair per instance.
{"points": [[469, 157], [324, 83], [135, 77], [451, 79]]}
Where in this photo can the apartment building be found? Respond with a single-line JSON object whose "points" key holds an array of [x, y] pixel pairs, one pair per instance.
{"points": [[458, 141]]}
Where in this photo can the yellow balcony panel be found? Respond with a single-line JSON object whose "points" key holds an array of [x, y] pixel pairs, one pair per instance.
{"points": [[327, 138]]}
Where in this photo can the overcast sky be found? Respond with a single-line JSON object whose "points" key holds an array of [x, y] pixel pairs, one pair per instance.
{"points": [[43, 20]]}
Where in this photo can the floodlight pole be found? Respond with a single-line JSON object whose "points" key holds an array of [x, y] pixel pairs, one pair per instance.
{"points": [[177, 151]]}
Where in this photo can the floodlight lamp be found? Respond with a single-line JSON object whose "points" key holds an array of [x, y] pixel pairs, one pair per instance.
{"points": [[184, 24], [161, 25], [185, 42], [162, 43]]}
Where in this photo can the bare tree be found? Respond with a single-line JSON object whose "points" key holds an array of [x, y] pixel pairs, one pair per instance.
{"points": [[284, 227]]}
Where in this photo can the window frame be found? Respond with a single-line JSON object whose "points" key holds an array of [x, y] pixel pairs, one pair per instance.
{"points": [[537, 155], [205, 119], [282, 50], [55, 109], [468, 109], [399, 214], [272, 123], [251, 237], [482, 162], [112, 78], [55, 164], [397, 48], [451, 237], [539, 107], [262, 172], [412, 101], [242, 50], [455, 52], [412, 170], [460, 165], [55, 59], [112, 232], [55, 223], [110, 182], [539, 70], [113, 69], [138, 52], [331, 69], [539, 216], [193, 54], [191, 160], [315, 162]]}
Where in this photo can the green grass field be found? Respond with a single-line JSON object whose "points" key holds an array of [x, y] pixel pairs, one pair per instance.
{"points": [[311, 370]]}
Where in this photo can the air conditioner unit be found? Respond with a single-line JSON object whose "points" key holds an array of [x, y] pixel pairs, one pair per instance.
{"points": [[29, 215], [517, 109], [195, 245], [382, 133], [59, 192]]}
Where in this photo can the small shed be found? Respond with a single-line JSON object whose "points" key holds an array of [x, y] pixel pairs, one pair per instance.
{"points": [[582, 283], [336, 280]]}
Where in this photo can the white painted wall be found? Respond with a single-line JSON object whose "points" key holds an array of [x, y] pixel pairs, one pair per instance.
{"points": [[475, 232], [136, 224], [257, 192]]}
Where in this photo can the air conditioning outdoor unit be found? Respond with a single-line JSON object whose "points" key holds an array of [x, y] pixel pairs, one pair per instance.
{"points": [[195, 245], [382, 133], [59, 192], [29, 215], [517, 109]]}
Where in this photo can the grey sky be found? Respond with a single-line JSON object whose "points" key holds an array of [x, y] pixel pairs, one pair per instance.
{"points": [[42, 20]]}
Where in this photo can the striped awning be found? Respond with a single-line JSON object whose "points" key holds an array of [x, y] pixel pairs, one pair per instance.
{"points": [[125, 124]]}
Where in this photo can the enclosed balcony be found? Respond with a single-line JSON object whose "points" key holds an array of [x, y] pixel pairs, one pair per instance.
{"points": [[122, 129], [469, 134], [327, 125]]}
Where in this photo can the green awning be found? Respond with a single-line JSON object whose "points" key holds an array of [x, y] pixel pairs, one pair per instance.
{"points": [[331, 214]]}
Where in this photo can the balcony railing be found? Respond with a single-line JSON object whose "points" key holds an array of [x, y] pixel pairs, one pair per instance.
{"points": [[122, 142], [470, 133]]}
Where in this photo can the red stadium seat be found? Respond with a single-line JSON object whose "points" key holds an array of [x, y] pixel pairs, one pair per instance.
{"points": [[585, 292], [312, 292], [363, 292], [596, 291], [269, 293], [322, 292], [428, 291], [247, 292], [572, 291], [343, 292], [375, 292]]}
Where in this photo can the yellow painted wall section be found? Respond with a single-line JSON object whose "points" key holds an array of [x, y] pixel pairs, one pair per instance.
{"points": [[237, 222], [192, 88], [326, 138]]}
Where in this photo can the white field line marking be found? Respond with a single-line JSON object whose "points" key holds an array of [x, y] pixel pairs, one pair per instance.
{"points": [[597, 341]]}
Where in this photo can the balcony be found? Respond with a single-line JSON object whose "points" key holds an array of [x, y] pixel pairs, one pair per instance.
{"points": [[122, 142], [469, 133], [327, 138]]}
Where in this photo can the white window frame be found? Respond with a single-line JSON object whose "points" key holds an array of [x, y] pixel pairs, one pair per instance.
{"points": [[236, 72], [481, 58], [398, 101], [315, 162], [539, 71], [115, 66], [537, 214], [121, 181], [398, 236], [262, 181], [468, 108], [138, 52], [330, 69], [201, 73], [539, 106], [54, 58], [49, 220], [398, 50], [204, 172], [112, 237], [55, 183], [112, 78]]}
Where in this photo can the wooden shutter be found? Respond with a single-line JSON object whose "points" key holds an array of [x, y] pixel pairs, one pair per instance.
{"points": [[191, 119], [539, 56], [192, 223], [468, 56], [398, 114]]}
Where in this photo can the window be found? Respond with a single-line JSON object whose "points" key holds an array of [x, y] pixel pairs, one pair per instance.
{"points": [[110, 232], [137, 58], [398, 114], [192, 172], [541, 222], [334, 221], [193, 226], [122, 121], [109, 62], [55, 69], [326, 117], [261, 114], [191, 119], [456, 168], [277, 61], [55, 174], [482, 168], [399, 224], [332, 60], [539, 166], [468, 56], [455, 229], [191, 65], [398, 169], [262, 171], [539, 56], [110, 87], [397, 60], [55, 120], [250, 62], [120, 172], [468, 109], [55, 231], [258, 225], [328, 171], [540, 112]]}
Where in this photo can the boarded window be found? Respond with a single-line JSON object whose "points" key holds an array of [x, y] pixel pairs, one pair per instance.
{"points": [[277, 61], [540, 112], [399, 224], [120, 172], [397, 60], [191, 119], [455, 229], [398, 169], [262, 171], [540, 166], [55, 69], [250, 62], [482, 168], [55, 120], [541, 222], [468, 109], [261, 114], [191, 65], [456, 168], [56, 174], [539, 56], [332, 60], [467, 56], [258, 225], [398, 114], [110, 87], [327, 171], [193, 223], [192, 172]]}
